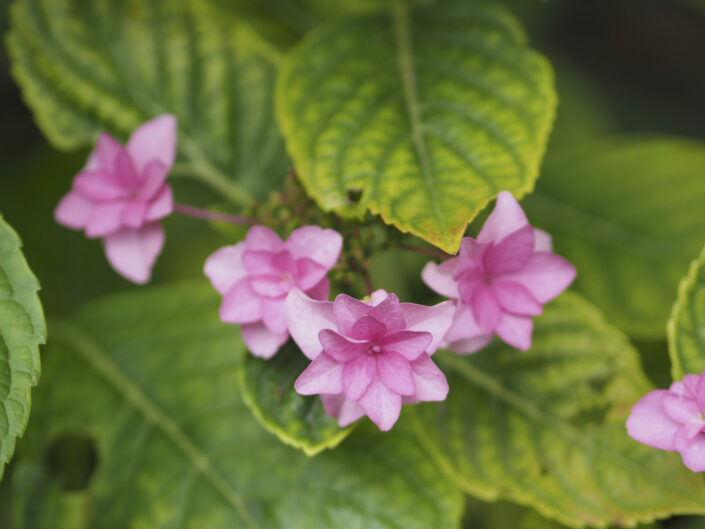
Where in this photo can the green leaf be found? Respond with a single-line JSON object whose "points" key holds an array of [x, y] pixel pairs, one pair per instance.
{"points": [[628, 213], [151, 379], [22, 329], [546, 428], [267, 388], [103, 65], [428, 114], [686, 328]]}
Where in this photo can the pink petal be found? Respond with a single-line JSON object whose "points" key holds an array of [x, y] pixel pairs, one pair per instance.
{"points": [[681, 409], [440, 277], [692, 451], [152, 179], [381, 405], [241, 304], [648, 422], [323, 375], [154, 140], [347, 311], [545, 275], [340, 349], [486, 309], [515, 298], [258, 262], [134, 214], [321, 290], [700, 391], [377, 297], [308, 273], [274, 315], [511, 254], [543, 242], [389, 313], [306, 318], [469, 283], [74, 210], [688, 386], [99, 186], [162, 205], [429, 381], [224, 268], [470, 258], [357, 376], [105, 219], [515, 330], [104, 154], [408, 344], [436, 320], [464, 325], [347, 411], [260, 341], [125, 171], [507, 217], [283, 262], [313, 242], [469, 345], [394, 370], [132, 253], [262, 238], [271, 286], [368, 328]]}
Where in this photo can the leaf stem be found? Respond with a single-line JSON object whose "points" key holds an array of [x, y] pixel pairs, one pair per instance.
{"points": [[213, 216]]}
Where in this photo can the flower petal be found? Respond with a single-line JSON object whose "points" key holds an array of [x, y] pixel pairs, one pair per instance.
{"points": [[132, 253], [308, 273], [321, 290], [306, 318], [262, 238], [700, 391], [464, 325], [98, 185], [357, 376], [258, 262], [152, 179], [543, 242], [436, 320], [104, 154], [274, 314], [134, 214], [381, 405], [347, 411], [439, 277], [368, 328], [74, 210], [224, 268], [260, 341], [692, 450], [340, 349], [545, 275], [323, 375], [511, 254], [648, 422], [515, 330], [241, 304], [469, 283], [688, 386], [106, 218], [313, 242], [486, 309], [429, 381], [270, 286], [470, 258], [347, 311], [161, 205], [681, 409], [469, 345], [389, 313], [394, 370], [507, 217], [515, 298], [154, 140], [408, 344]]}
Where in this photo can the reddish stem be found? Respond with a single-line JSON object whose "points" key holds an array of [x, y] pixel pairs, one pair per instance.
{"points": [[212, 216], [433, 252]]}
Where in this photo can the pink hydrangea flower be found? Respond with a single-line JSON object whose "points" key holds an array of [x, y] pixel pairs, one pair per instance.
{"points": [[369, 357], [673, 420], [499, 280], [255, 276], [121, 194]]}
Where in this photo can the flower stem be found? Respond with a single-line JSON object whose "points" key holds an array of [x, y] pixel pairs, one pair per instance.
{"points": [[433, 252], [213, 216]]}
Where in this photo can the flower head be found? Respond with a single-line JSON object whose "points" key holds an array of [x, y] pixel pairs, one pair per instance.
{"points": [[673, 420], [121, 194], [255, 276], [499, 280], [369, 357]]}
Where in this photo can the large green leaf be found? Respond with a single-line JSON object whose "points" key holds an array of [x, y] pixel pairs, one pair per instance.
{"points": [[151, 379], [267, 388], [87, 66], [629, 214], [546, 428], [421, 117], [686, 328], [22, 329]]}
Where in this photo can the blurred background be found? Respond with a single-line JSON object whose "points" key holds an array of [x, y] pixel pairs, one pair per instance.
{"points": [[623, 67]]}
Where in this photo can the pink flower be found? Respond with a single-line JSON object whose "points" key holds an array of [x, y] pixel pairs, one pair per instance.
{"points": [[499, 280], [255, 276], [369, 358], [121, 194], [673, 420]]}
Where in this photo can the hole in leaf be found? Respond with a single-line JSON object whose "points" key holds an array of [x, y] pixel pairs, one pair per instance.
{"points": [[72, 460], [354, 195]]}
